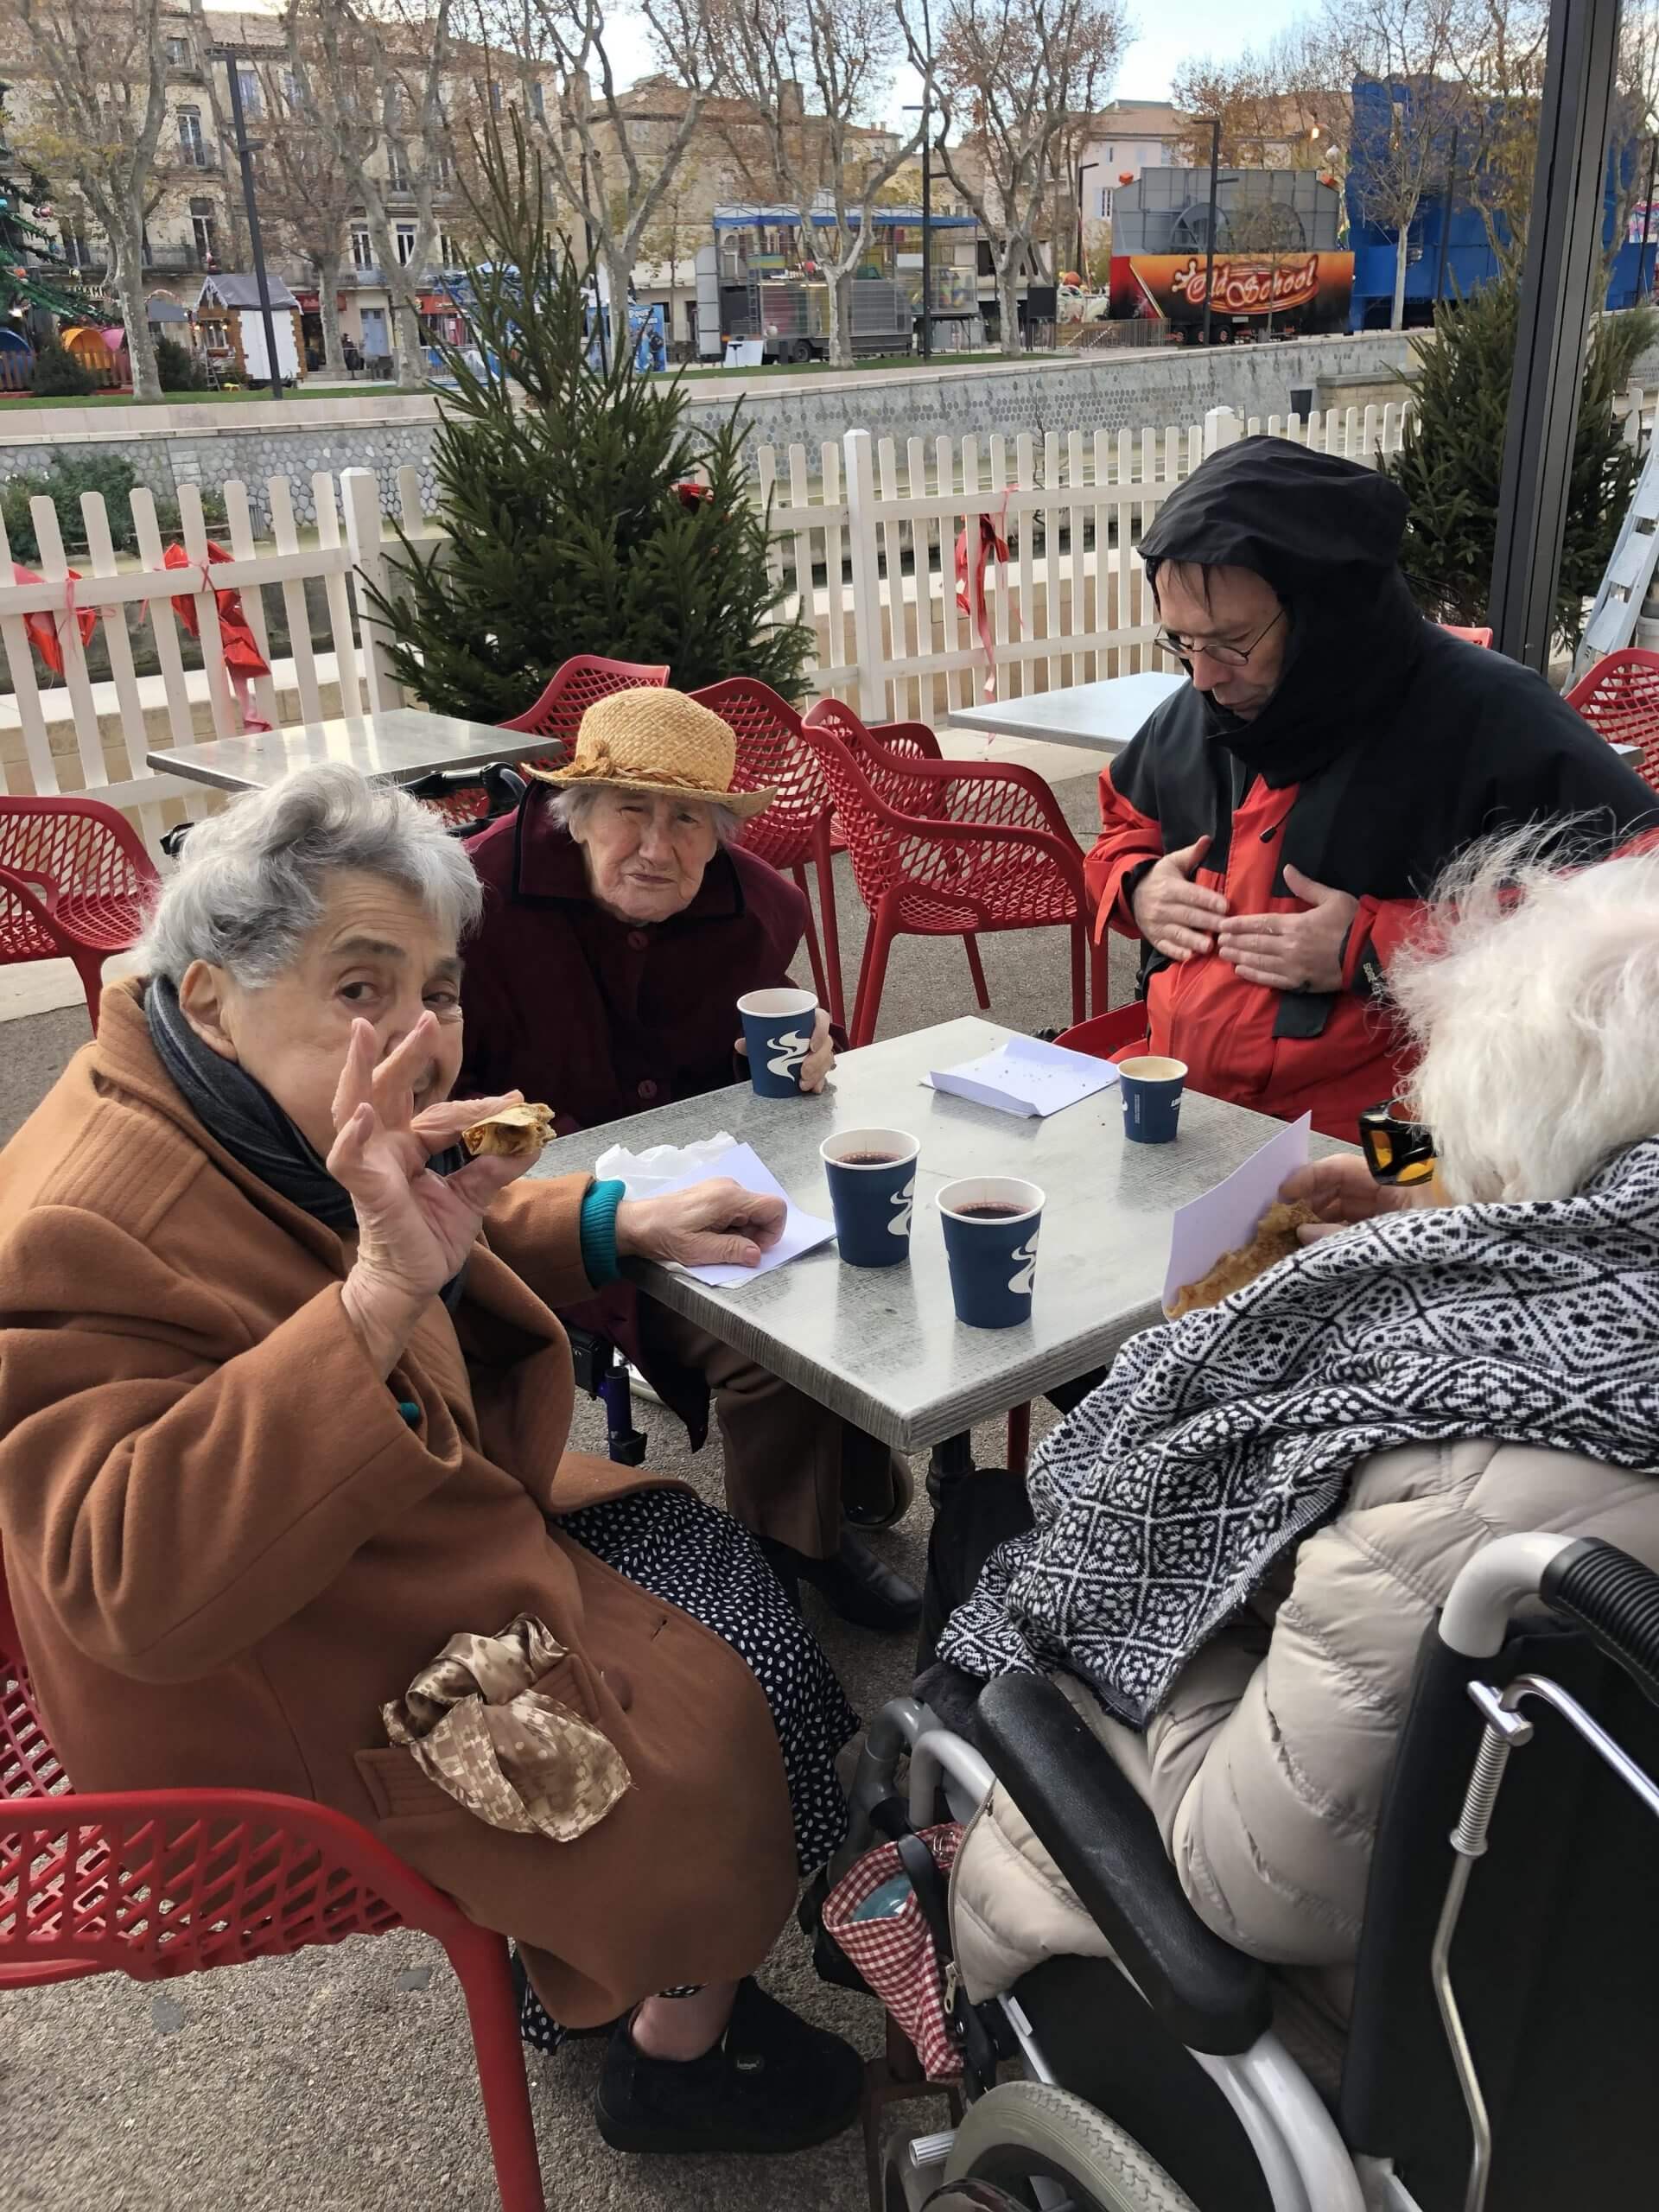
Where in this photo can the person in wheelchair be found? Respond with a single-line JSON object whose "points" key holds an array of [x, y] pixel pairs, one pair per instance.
{"points": [[1234, 1545], [622, 922]]}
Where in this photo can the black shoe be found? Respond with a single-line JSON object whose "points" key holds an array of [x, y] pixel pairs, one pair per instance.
{"points": [[856, 1585], [771, 2083]]}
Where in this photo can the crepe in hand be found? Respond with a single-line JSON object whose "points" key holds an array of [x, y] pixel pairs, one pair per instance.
{"points": [[1275, 1240], [513, 1133]]}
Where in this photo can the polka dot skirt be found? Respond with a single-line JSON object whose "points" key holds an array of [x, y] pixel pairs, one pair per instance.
{"points": [[711, 1567]]}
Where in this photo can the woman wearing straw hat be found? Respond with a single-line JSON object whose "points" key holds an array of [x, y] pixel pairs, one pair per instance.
{"points": [[621, 924]]}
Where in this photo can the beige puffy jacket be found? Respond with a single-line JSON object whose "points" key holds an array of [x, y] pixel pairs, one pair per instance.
{"points": [[1265, 1768]]}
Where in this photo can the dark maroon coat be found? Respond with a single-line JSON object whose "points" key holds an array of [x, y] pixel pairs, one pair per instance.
{"points": [[600, 1019]]}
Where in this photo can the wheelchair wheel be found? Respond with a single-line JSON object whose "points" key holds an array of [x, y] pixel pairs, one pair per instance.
{"points": [[1027, 2145]]}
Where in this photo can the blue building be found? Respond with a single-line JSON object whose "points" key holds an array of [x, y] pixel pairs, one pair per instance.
{"points": [[1449, 252]]}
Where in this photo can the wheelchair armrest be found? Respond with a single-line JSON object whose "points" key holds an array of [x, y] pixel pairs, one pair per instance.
{"points": [[1103, 1838]]}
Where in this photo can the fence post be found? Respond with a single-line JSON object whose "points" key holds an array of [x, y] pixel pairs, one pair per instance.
{"points": [[360, 496], [866, 574], [1221, 427]]}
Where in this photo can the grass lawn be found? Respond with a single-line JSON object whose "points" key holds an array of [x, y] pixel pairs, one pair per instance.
{"points": [[191, 398], [865, 361]]}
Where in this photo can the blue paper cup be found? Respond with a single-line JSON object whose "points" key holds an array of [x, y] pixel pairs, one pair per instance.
{"points": [[1152, 1088], [991, 1224], [872, 1178], [778, 1030]]}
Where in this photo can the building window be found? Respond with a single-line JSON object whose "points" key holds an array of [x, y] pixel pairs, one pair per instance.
{"points": [[191, 145], [178, 52], [639, 132], [206, 238], [295, 92], [362, 247], [495, 96], [76, 252], [247, 82], [404, 239], [1105, 202], [538, 100], [446, 169], [397, 171]]}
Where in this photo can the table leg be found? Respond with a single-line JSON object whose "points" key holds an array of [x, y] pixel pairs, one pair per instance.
{"points": [[952, 1458]]}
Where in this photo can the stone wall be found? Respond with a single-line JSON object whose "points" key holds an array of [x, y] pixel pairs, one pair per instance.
{"points": [[208, 444]]}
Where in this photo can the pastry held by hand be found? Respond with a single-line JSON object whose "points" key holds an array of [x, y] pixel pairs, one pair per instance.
{"points": [[512, 1133], [1275, 1240]]}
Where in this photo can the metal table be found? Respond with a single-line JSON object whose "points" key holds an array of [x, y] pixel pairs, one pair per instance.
{"points": [[882, 1346], [1099, 718], [404, 744]]}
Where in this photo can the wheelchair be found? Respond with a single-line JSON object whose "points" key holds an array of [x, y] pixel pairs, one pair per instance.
{"points": [[1502, 2050]]}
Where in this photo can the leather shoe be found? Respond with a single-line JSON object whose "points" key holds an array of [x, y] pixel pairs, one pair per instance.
{"points": [[853, 1583]]}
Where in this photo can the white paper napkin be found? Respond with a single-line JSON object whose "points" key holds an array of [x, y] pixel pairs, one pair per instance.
{"points": [[676, 1167]]}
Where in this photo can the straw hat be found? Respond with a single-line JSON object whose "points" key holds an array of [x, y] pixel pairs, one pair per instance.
{"points": [[648, 740]]}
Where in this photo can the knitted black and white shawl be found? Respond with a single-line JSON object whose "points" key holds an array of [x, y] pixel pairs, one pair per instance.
{"points": [[1219, 1439]]}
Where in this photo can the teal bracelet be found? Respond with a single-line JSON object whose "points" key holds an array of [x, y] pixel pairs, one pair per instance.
{"points": [[599, 1261]]}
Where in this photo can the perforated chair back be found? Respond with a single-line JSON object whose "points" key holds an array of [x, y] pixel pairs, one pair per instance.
{"points": [[772, 755], [75, 883], [1619, 697], [572, 689], [1477, 637]]}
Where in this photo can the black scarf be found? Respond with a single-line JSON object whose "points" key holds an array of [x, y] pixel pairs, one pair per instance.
{"points": [[1325, 533], [239, 1113]]}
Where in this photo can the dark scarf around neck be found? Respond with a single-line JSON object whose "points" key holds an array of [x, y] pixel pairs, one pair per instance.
{"points": [[239, 1113]]}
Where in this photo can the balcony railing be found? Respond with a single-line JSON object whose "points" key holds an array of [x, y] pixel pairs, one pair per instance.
{"points": [[195, 154], [171, 258]]}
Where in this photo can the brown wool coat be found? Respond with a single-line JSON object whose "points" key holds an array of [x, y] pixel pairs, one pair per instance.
{"points": [[226, 1549]]}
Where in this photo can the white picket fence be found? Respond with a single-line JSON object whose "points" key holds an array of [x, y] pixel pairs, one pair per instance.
{"points": [[863, 538]]}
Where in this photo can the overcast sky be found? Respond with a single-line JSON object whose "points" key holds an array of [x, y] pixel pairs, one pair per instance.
{"points": [[1218, 27]]}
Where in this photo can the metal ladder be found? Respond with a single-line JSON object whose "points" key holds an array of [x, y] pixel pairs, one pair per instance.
{"points": [[1629, 572]]}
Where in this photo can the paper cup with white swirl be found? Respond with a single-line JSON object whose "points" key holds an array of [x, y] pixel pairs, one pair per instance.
{"points": [[778, 1030], [872, 1178], [991, 1225]]}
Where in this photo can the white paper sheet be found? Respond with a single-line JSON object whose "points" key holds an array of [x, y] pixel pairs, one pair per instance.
{"points": [[1027, 1077], [1225, 1218], [741, 1163]]}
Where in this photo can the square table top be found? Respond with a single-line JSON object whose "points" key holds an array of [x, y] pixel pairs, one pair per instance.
{"points": [[882, 1346], [404, 744], [1099, 718]]}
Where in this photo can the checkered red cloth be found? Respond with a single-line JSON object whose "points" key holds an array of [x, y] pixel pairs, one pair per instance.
{"points": [[896, 1955]]}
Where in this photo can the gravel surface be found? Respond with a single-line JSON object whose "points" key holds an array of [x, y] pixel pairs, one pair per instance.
{"points": [[341, 2080]]}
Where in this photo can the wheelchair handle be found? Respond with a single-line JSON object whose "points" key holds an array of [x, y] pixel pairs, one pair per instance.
{"points": [[1616, 1599]]}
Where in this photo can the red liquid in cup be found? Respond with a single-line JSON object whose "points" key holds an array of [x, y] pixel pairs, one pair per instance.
{"points": [[866, 1160], [989, 1212]]}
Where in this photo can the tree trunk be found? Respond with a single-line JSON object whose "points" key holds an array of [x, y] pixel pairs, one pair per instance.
{"points": [[1402, 253], [619, 272], [409, 355], [1007, 294], [841, 321], [127, 253], [326, 269]]}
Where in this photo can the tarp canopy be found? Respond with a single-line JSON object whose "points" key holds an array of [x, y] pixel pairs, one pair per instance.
{"points": [[13, 341]]}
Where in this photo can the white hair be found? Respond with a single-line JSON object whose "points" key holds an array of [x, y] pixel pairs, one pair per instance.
{"points": [[1534, 1000], [570, 806], [252, 882]]}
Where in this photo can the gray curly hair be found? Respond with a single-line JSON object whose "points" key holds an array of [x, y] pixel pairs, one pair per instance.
{"points": [[251, 883]]}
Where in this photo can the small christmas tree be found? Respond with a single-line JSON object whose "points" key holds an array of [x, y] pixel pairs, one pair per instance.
{"points": [[33, 272], [1449, 463], [585, 513]]}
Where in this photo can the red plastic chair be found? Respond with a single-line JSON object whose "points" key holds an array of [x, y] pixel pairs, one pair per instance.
{"points": [[1619, 696], [1102, 1037], [572, 689], [1469, 637], [950, 849], [773, 752], [154, 1883], [75, 883]]}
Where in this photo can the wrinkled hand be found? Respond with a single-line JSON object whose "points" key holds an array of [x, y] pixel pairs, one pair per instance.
{"points": [[1292, 952], [414, 1228], [820, 1058], [1342, 1190], [712, 1224], [1176, 916]]}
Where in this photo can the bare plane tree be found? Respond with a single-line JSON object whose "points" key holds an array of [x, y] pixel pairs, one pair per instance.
{"points": [[106, 77], [777, 54], [307, 192], [1017, 74]]}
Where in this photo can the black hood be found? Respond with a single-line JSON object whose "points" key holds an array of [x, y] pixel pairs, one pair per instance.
{"points": [[1325, 533]]}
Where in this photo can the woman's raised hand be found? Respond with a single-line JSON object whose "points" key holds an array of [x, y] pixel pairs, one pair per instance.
{"points": [[414, 1228]]}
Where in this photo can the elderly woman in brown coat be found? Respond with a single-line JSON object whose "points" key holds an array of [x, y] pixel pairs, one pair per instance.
{"points": [[282, 1412]]}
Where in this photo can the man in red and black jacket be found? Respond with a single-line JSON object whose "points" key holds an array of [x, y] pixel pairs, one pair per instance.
{"points": [[1270, 831]]}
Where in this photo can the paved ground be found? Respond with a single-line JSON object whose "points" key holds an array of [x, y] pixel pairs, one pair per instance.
{"points": [[340, 2080]]}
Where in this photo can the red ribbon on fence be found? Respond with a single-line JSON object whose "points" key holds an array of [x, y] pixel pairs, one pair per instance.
{"points": [[992, 545], [42, 630], [243, 659]]}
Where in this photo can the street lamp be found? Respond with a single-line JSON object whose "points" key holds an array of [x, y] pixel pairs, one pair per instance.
{"points": [[230, 55], [924, 109], [1082, 266]]}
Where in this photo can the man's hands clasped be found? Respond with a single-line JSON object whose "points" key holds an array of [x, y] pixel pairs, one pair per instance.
{"points": [[1284, 952]]}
